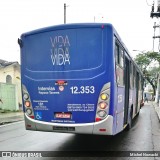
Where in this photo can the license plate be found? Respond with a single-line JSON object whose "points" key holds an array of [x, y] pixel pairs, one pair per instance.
{"points": [[62, 115]]}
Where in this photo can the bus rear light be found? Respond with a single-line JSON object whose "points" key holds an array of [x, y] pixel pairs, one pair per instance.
{"points": [[31, 117], [27, 104], [102, 130], [98, 119], [103, 105], [29, 126]]}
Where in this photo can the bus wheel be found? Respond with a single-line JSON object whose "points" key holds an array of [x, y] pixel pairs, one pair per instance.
{"points": [[130, 121]]}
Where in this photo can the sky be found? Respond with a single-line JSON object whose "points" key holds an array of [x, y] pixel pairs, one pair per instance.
{"points": [[131, 19]]}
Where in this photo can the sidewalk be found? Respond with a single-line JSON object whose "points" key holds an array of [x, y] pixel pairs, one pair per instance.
{"points": [[157, 109], [11, 117]]}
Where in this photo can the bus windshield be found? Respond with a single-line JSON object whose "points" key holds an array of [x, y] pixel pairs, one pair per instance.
{"points": [[65, 50]]}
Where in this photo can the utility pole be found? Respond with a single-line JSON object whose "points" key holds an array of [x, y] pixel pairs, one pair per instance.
{"points": [[64, 13], [154, 36], [157, 15]]}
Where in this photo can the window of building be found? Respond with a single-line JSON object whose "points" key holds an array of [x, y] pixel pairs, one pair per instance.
{"points": [[9, 79]]}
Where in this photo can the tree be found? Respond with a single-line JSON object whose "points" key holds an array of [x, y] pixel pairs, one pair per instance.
{"points": [[142, 60], [145, 61], [154, 56]]}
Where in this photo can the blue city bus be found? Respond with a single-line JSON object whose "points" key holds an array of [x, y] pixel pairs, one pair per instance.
{"points": [[78, 78]]}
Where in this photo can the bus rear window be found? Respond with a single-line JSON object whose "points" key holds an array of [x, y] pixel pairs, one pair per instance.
{"points": [[64, 50]]}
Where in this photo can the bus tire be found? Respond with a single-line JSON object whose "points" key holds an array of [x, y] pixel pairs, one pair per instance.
{"points": [[130, 120]]}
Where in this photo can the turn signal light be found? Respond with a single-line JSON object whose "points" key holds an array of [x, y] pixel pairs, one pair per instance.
{"points": [[104, 96]]}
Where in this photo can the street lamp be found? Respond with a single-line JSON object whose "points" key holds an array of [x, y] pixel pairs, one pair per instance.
{"points": [[139, 50], [143, 52]]}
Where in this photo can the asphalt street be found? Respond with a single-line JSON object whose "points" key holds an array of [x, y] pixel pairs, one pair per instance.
{"points": [[143, 136]]}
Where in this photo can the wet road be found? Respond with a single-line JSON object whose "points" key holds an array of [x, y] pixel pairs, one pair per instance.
{"points": [[143, 136]]}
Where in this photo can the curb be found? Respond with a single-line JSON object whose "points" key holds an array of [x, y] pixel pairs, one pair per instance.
{"points": [[11, 119], [157, 109]]}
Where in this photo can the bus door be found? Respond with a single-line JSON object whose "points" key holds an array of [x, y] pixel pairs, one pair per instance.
{"points": [[127, 85], [137, 90]]}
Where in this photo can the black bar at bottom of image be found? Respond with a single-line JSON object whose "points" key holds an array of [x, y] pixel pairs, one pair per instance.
{"points": [[79, 154]]}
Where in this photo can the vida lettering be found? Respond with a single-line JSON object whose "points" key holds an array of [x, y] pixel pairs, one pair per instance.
{"points": [[60, 50]]}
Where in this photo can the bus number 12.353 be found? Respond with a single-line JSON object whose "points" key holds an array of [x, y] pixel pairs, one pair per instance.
{"points": [[82, 90]]}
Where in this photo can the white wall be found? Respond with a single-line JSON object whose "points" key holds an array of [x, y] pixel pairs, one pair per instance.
{"points": [[14, 71]]}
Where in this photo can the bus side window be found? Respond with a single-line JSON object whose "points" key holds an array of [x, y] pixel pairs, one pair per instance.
{"points": [[121, 56], [131, 76], [140, 86], [119, 53], [134, 77]]}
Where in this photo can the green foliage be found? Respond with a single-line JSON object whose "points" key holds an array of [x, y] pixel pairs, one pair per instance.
{"points": [[144, 61], [154, 56]]}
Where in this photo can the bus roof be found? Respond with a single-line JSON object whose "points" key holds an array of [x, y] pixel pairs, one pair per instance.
{"points": [[67, 26]]}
